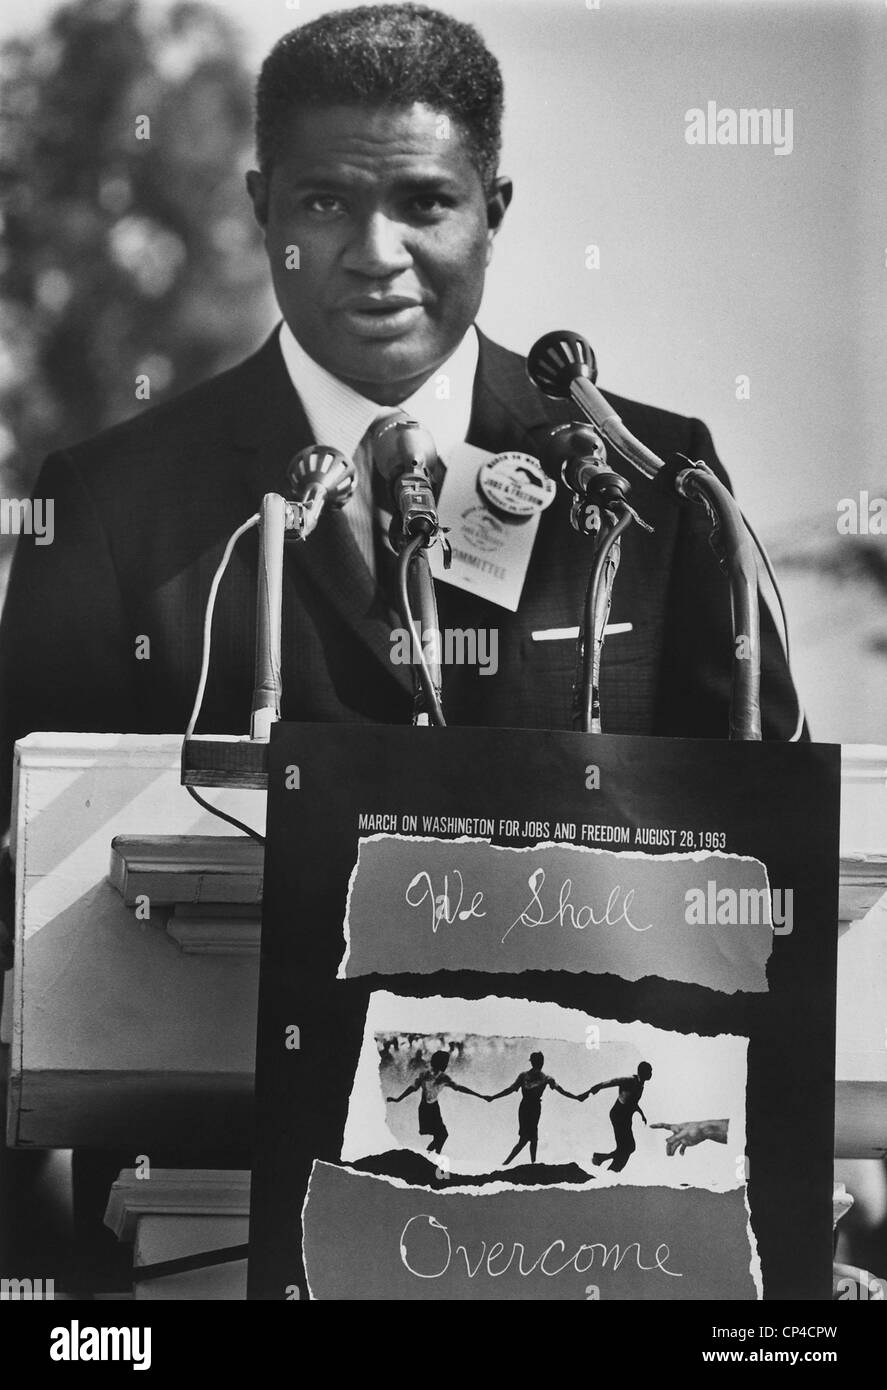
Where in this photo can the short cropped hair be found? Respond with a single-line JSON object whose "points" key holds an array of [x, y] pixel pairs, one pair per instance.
{"points": [[385, 55]]}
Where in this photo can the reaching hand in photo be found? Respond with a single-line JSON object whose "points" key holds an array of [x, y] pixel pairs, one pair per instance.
{"points": [[689, 1132]]}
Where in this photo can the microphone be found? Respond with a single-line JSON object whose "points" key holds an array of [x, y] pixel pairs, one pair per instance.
{"points": [[406, 458], [562, 365], [318, 477], [578, 453]]}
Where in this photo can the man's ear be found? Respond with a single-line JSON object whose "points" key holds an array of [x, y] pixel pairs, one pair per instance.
{"points": [[257, 187], [497, 205]]}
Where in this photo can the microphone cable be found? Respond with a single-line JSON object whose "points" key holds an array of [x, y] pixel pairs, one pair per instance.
{"points": [[784, 637], [204, 674]]}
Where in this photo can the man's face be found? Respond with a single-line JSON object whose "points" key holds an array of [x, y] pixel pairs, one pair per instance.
{"points": [[394, 233]]}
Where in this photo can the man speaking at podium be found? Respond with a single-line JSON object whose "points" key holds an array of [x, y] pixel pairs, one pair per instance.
{"points": [[379, 196]]}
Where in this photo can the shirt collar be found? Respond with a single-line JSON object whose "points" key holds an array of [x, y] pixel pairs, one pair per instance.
{"points": [[340, 417]]}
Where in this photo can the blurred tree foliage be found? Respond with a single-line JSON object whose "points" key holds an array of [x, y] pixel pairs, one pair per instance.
{"points": [[857, 560], [120, 256]]}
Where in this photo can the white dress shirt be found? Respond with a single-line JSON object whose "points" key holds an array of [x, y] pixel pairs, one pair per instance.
{"points": [[340, 417]]}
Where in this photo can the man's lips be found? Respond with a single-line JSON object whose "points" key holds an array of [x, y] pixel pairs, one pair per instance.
{"points": [[380, 303], [370, 316]]}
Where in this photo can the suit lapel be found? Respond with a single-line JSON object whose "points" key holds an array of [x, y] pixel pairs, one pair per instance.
{"points": [[506, 408]]}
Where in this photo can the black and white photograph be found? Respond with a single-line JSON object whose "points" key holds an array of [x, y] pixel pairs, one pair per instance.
{"points": [[442, 485], [580, 1099]]}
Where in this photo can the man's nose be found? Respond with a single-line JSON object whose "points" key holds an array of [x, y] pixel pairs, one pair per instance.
{"points": [[377, 248]]}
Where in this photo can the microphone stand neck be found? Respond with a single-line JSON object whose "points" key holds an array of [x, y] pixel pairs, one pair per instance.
{"points": [[268, 684], [414, 527], [736, 554], [426, 632], [278, 519], [598, 598], [600, 510]]}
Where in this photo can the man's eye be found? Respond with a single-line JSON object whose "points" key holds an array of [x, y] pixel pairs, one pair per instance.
{"points": [[324, 203], [429, 204]]}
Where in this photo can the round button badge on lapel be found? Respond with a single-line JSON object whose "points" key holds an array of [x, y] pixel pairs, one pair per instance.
{"points": [[515, 486]]}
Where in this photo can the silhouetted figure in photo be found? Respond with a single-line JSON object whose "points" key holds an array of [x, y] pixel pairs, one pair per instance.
{"points": [[631, 1088], [431, 1082], [532, 1085], [386, 1047]]}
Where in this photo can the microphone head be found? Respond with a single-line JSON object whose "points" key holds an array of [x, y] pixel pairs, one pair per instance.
{"points": [[578, 453], [321, 469], [398, 443], [557, 359], [565, 443]]}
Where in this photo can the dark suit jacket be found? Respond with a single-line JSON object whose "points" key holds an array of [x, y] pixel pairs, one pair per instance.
{"points": [[142, 513]]}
